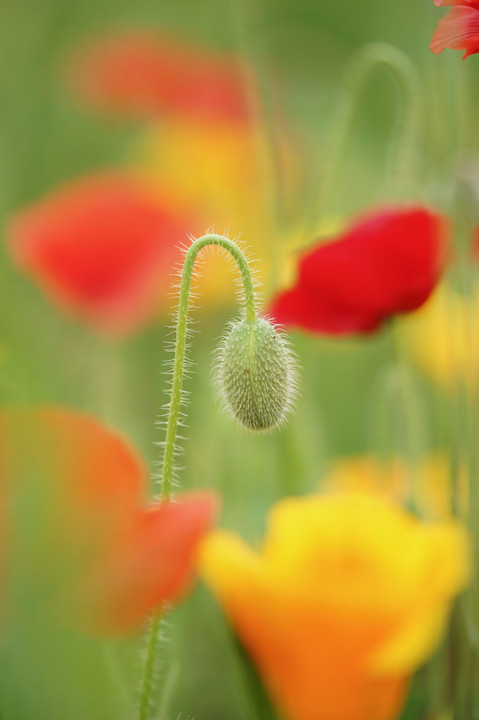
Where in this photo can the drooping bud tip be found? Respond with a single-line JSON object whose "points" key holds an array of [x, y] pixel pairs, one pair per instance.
{"points": [[255, 374]]}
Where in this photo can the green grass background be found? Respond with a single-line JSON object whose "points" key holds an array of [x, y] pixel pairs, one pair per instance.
{"points": [[45, 358]]}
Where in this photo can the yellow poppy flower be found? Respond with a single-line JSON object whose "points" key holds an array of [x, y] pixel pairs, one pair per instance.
{"points": [[441, 338], [349, 595], [427, 483]]}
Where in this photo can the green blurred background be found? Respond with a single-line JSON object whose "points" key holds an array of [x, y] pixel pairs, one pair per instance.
{"points": [[345, 406]]}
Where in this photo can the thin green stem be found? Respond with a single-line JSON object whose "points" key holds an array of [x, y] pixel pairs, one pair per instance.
{"points": [[181, 338], [364, 62], [149, 670], [149, 682]]}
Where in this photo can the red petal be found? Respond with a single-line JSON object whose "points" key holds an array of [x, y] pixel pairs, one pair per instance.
{"points": [[101, 247], [69, 488], [458, 30], [297, 308], [445, 3], [144, 73], [152, 566], [386, 263], [75, 523]]}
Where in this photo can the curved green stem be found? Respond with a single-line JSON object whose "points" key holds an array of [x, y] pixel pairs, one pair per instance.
{"points": [[358, 73], [149, 681], [181, 336]]}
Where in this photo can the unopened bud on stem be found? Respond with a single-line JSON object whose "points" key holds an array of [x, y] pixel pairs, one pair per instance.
{"points": [[255, 374]]}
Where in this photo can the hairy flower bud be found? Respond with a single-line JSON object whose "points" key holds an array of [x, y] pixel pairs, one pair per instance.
{"points": [[255, 374]]}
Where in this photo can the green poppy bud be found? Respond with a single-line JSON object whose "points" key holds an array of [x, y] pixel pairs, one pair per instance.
{"points": [[256, 374]]}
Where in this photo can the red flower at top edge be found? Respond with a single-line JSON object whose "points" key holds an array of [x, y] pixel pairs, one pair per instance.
{"points": [[459, 29], [102, 248], [73, 495], [385, 263], [146, 73]]}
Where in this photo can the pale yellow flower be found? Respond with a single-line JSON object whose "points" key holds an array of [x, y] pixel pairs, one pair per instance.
{"points": [[427, 483], [442, 337]]}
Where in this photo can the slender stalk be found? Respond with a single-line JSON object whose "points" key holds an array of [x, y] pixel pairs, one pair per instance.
{"points": [[181, 336], [149, 669], [149, 685], [361, 66]]}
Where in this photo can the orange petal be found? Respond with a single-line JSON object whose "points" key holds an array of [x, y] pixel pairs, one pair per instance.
{"points": [[85, 469], [75, 521], [69, 488], [306, 654], [349, 595], [152, 566]]}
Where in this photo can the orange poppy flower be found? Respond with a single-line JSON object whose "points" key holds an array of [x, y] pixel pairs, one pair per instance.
{"points": [[78, 530], [146, 73], [349, 595], [102, 248]]}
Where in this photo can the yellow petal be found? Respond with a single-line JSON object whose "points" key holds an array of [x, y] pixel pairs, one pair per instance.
{"points": [[447, 570], [411, 643], [439, 337], [228, 564]]}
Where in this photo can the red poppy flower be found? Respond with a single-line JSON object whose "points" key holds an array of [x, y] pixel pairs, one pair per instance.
{"points": [[144, 73], [102, 248], [78, 527], [459, 29], [385, 263]]}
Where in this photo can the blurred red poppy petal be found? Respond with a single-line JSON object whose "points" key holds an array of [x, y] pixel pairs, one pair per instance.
{"points": [[76, 523], [458, 30], [101, 247], [444, 3], [294, 309], [386, 263], [146, 73], [155, 560]]}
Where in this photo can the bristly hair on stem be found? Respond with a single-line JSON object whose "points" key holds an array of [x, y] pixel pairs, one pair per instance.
{"points": [[265, 376], [153, 669], [255, 374], [174, 417]]}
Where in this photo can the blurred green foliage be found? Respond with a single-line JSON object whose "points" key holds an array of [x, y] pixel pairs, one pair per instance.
{"points": [[45, 358]]}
